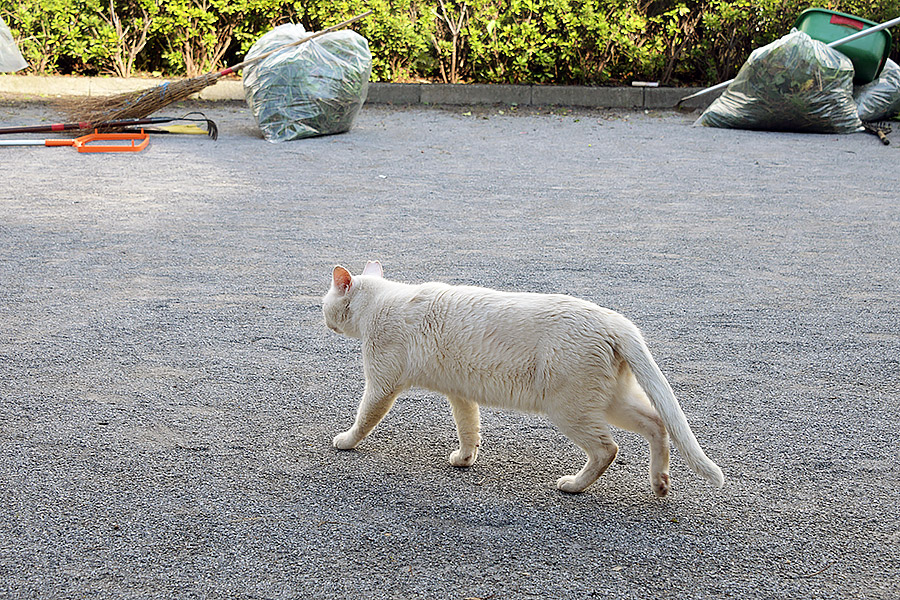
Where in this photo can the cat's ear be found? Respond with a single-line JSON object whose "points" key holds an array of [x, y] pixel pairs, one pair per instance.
{"points": [[373, 268], [342, 279]]}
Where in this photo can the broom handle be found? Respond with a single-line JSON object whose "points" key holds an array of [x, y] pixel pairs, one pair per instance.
{"points": [[241, 65], [85, 125]]}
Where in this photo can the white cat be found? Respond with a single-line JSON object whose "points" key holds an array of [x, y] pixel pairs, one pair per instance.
{"points": [[581, 365]]}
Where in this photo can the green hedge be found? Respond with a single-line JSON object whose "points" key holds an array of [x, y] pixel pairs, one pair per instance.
{"points": [[591, 42]]}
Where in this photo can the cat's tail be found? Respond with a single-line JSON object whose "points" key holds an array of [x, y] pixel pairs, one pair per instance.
{"points": [[633, 348]]}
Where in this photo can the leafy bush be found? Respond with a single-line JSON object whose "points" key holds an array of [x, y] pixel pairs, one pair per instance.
{"points": [[398, 32], [123, 34], [589, 42], [201, 34], [56, 35], [546, 41]]}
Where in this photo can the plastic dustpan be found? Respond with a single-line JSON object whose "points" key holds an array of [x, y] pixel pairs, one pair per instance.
{"points": [[868, 54]]}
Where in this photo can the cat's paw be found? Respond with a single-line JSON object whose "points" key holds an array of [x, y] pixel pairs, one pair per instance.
{"points": [[345, 441], [460, 459], [569, 484], [660, 483]]}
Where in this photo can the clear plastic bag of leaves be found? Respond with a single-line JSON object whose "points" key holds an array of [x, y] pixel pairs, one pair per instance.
{"points": [[10, 58], [880, 99], [315, 88], [795, 83]]}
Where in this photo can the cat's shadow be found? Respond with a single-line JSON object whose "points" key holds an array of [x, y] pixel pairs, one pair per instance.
{"points": [[521, 458]]}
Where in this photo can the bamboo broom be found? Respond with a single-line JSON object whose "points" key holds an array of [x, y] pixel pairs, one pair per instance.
{"points": [[140, 104]]}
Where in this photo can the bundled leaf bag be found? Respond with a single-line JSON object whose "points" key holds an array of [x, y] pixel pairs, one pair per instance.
{"points": [[795, 83], [10, 58], [880, 99], [315, 88]]}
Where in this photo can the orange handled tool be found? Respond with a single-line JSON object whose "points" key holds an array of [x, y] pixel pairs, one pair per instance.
{"points": [[85, 142]]}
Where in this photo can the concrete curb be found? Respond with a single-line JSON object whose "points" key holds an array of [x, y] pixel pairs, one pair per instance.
{"points": [[387, 93]]}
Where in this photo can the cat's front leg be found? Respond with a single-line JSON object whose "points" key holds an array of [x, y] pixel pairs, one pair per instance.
{"points": [[376, 402], [468, 427], [348, 440]]}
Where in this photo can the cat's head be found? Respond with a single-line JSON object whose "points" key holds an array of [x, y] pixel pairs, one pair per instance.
{"points": [[338, 304]]}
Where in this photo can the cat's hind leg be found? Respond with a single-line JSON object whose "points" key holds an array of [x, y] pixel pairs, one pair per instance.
{"points": [[468, 427], [376, 402], [592, 436], [631, 410]]}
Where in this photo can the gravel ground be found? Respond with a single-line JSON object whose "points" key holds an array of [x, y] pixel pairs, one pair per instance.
{"points": [[168, 390]]}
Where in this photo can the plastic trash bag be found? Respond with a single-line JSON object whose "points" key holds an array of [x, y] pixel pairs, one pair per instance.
{"points": [[316, 88], [880, 99], [10, 58], [795, 83]]}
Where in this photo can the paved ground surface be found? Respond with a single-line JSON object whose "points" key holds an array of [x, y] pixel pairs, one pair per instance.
{"points": [[168, 392]]}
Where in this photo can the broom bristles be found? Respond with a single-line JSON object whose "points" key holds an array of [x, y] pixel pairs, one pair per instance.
{"points": [[139, 104]]}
